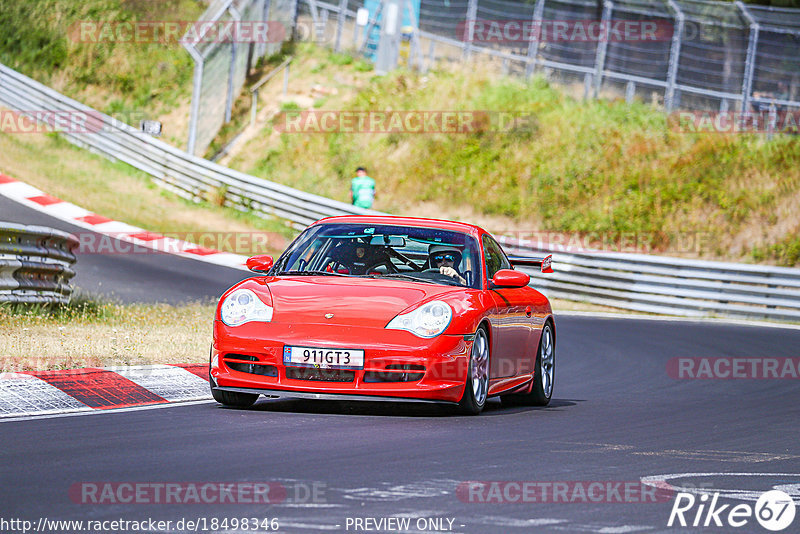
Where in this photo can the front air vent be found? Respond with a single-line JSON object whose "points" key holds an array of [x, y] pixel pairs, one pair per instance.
{"points": [[320, 375], [250, 368], [386, 376]]}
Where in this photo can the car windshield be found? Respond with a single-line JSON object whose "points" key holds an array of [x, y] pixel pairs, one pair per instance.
{"points": [[383, 251]]}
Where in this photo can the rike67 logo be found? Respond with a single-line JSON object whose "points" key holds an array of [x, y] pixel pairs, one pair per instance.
{"points": [[774, 510]]}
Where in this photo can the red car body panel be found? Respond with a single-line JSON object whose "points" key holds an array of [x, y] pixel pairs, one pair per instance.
{"points": [[352, 312]]}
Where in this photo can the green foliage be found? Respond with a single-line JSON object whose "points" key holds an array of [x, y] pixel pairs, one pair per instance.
{"points": [[44, 40], [561, 165]]}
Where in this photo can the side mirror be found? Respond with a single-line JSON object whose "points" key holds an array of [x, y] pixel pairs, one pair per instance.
{"points": [[260, 264], [510, 278]]}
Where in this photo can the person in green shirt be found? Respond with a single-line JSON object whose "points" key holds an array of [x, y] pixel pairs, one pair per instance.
{"points": [[362, 189]]}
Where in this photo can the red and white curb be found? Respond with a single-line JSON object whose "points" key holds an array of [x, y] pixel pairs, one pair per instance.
{"points": [[100, 388], [38, 200]]}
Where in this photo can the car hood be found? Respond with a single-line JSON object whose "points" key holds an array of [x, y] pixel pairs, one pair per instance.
{"points": [[354, 301]]}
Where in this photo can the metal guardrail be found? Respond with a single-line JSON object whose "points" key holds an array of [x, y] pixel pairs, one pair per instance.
{"points": [[629, 281], [35, 264], [189, 176], [675, 286]]}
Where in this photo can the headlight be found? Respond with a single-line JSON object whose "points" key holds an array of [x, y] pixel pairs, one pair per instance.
{"points": [[243, 306], [429, 320]]}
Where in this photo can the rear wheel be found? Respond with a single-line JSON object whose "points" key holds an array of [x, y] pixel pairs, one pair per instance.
{"points": [[544, 374], [234, 398], [476, 387]]}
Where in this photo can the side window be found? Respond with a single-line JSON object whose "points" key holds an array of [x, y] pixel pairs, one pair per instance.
{"points": [[494, 256]]}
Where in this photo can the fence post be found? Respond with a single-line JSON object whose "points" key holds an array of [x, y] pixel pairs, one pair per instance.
{"points": [[750, 60], [340, 24], [533, 47], [674, 56], [261, 47], [602, 47], [237, 17], [197, 84], [472, 15], [415, 42]]}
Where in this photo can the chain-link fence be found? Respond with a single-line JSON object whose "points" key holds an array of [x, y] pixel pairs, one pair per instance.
{"points": [[689, 54], [228, 40]]}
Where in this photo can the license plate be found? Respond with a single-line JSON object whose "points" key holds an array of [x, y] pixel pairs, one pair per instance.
{"points": [[323, 358]]}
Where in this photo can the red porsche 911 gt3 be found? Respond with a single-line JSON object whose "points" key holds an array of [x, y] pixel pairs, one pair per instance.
{"points": [[386, 308]]}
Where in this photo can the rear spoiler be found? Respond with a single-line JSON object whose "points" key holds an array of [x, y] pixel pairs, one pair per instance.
{"points": [[545, 264]]}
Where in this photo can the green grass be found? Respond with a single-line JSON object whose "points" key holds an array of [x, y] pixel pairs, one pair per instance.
{"points": [[572, 166], [42, 40], [75, 175], [95, 333]]}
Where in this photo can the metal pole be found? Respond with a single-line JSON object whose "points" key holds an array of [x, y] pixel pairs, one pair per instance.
{"points": [[286, 79], [340, 24], [293, 9], [472, 15], [602, 47], [253, 107], [262, 48], [533, 47], [237, 17], [750, 61], [412, 16], [197, 83], [372, 21], [674, 56]]}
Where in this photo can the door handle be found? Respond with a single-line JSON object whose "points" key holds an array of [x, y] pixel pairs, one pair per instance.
{"points": [[528, 311]]}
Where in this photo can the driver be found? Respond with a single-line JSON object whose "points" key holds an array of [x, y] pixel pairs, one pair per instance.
{"points": [[445, 258]]}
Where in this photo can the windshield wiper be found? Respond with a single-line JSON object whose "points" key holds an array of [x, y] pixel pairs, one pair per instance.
{"points": [[404, 277], [313, 273]]}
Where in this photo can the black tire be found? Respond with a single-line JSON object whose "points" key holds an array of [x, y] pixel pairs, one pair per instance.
{"points": [[234, 399], [540, 393], [472, 403]]}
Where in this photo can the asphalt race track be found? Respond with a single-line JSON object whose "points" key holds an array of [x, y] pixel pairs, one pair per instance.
{"points": [[134, 277], [616, 416]]}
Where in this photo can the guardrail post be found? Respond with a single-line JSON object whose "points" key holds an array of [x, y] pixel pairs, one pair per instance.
{"points": [[630, 91], [587, 85], [750, 59], [340, 24], [602, 47], [472, 15], [674, 56], [533, 46]]}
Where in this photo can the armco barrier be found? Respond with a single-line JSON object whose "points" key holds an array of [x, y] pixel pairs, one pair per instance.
{"points": [[35, 264], [675, 286], [189, 176], [630, 281]]}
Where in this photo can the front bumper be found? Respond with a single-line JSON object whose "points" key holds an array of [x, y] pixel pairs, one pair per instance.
{"points": [[397, 365]]}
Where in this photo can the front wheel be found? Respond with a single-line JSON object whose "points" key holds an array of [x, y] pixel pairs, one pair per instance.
{"points": [[476, 386], [234, 399], [544, 374]]}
